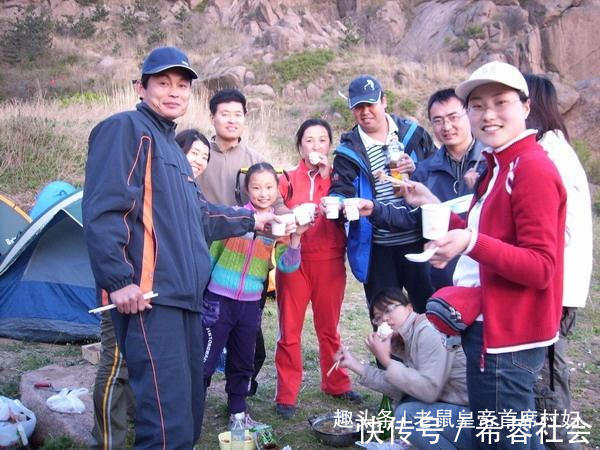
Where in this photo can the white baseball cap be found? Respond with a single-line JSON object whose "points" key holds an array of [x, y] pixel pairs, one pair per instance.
{"points": [[493, 72]]}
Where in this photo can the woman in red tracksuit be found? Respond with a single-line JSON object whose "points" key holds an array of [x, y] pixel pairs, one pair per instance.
{"points": [[321, 278]]}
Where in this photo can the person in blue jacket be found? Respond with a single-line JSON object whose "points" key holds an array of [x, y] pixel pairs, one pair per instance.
{"points": [[146, 224], [450, 173], [376, 255]]}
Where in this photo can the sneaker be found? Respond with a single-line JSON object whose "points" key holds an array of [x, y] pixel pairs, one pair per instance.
{"points": [[249, 422], [285, 411], [350, 396]]}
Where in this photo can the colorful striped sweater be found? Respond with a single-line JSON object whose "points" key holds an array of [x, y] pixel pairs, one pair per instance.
{"points": [[240, 265]]}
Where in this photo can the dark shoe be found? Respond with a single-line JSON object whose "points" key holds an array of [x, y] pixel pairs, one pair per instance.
{"points": [[350, 396], [285, 411]]}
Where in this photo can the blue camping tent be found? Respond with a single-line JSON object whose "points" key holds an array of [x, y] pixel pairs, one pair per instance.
{"points": [[46, 283], [13, 220]]}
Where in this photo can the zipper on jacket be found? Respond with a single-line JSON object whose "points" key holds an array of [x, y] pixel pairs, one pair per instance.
{"points": [[312, 184], [247, 260]]}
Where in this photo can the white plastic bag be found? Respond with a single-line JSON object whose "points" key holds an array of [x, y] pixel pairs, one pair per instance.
{"points": [[16, 422], [67, 401]]}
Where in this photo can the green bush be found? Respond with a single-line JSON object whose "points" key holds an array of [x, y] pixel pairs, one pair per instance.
{"points": [[474, 31], [129, 22], [407, 105], [28, 36], [589, 160], [340, 106], [83, 27], [459, 44], [87, 97], [303, 65]]}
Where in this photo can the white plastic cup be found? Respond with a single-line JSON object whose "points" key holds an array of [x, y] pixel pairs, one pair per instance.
{"points": [[332, 207], [351, 208], [305, 213], [435, 219], [278, 229]]}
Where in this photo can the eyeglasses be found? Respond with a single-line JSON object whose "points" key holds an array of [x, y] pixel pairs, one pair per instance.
{"points": [[499, 105], [378, 317], [451, 118]]}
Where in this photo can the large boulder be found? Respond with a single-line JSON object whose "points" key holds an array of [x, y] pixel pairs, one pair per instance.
{"points": [[53, 424]]}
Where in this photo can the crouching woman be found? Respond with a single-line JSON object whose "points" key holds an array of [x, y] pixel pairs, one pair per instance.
{"points": [[426, 381]]}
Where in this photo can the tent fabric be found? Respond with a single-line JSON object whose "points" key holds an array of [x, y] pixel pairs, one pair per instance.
{"points": [[50, 195], [46, 283], [13, 220]]}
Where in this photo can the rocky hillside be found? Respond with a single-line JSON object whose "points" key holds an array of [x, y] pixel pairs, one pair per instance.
{"points": [[291, 57]]}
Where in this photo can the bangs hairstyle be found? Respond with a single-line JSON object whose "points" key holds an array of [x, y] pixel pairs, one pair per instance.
{"points": [[259, 168], [186, 139], [442, 96], [522, 96], [386, 298], [312, 123], [544, 114]]}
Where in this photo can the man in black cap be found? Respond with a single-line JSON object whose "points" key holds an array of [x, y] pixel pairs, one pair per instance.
{"points": [[376, 255], [146, 225]]}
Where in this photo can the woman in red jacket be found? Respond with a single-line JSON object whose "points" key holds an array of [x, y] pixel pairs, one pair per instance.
{"points": [[321, 278], [512, 245]]}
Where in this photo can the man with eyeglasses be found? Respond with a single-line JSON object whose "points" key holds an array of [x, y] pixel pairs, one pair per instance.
{"points": [[451, 172], [376, 254]]}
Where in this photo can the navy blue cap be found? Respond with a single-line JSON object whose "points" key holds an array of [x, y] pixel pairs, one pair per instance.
{"points": [[363, 89], [163, 58]]}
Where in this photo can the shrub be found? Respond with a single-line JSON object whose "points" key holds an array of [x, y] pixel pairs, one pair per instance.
{"points": [[474, 31], [351, 34], [409, 106], [83, 27], [130, 23], [340, 106], [589, 160], [100, 13], [459, 44], [200, 7], [303, 65], [28, 36]]}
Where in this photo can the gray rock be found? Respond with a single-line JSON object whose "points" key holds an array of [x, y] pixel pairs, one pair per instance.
{"points": [[53, 424], [313, 91], [260, 89]]}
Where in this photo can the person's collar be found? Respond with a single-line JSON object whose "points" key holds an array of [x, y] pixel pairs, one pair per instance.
{"points": [[465, 155], [162, 122], [522, 135], [217, 148], [369, 142], [406, 329]]}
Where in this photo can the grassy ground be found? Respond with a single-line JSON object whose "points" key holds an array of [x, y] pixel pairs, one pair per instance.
{"points": [[18, 357]]}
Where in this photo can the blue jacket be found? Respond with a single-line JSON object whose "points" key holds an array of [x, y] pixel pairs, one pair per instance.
{"points": [[144, 219], [352, 177], [436, 173]]}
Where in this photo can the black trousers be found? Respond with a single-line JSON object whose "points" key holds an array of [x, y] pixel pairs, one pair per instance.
{"points": [[389, 268]]}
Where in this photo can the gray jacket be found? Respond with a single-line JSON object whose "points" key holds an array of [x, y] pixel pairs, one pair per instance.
{"points": [[428, 372]]}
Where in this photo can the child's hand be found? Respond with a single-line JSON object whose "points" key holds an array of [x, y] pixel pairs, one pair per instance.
{"points": [[302, 228], [380, 349]]}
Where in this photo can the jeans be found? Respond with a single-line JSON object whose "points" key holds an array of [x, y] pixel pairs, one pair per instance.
{"points": [[506, 383], [433, 434]]}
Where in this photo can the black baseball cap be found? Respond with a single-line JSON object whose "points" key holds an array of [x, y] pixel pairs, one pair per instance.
{"points": [[164, 58]]}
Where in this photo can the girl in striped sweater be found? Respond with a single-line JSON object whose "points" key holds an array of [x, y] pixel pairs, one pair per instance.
{"points": [[240, 267]]}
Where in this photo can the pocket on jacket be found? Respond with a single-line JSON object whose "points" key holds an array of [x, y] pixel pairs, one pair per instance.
{"points": [[530, 360]]}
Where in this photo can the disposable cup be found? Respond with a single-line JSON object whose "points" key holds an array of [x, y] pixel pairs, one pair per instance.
{"points": [[305, 213], [332, 207], [278, 229], [435, 219], [351, 208]]}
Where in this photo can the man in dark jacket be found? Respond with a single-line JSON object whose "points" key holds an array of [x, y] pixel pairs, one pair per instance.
{"points": [[376, 255], [450, 173], [146, 225]]}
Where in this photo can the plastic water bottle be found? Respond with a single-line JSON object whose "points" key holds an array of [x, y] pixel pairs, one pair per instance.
{"points": [[238, 431], [395, 152]]}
